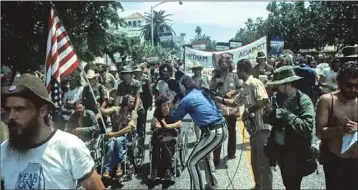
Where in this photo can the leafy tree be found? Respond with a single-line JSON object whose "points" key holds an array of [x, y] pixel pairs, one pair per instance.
{"points": [[210, 44], [160, 25], [198, 31], [320, 23], [252, 31], [140, 51], [24, 29]]}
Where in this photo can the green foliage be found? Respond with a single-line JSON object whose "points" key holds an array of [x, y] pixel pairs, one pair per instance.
{"points": [[142, 50], [24, 30], [198, 30], [320, 23], [252, 31], [210, 44], [160, 24]]}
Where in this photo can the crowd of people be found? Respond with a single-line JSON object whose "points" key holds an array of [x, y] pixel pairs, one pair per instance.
{"points": [[283, 105]]}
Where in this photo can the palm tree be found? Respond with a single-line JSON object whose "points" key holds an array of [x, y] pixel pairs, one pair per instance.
{"points": [[160, 25], [198, 30]]}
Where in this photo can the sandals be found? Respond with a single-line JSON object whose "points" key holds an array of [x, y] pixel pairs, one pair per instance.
{"points": [[168, 175], [154, 175], [106, 174], [119, 172]]}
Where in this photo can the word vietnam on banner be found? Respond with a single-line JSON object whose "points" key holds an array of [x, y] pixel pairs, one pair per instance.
{"points": [[61, 59], [248, 51]]}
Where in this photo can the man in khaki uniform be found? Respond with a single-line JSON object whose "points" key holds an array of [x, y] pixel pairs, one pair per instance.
{"points": [[255, 98], [227, 84]]}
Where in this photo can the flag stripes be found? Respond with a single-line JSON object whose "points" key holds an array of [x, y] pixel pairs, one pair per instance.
{"points": [[61, 59]]}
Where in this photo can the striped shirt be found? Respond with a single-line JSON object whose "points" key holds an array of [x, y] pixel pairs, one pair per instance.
{"points": [[253, 91]]}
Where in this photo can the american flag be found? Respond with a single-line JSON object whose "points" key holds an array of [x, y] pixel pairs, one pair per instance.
{"points": [[61, 59]]}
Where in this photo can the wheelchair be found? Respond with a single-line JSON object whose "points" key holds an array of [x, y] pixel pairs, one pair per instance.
{"points": [[179, 155], [97, 149], [133, 155]]}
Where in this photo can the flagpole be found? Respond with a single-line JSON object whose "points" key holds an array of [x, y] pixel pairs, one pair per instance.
{"points": [[81, 68]]}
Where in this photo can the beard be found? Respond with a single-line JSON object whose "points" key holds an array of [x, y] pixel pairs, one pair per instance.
{"points": [[349, 95], [21, 138]]}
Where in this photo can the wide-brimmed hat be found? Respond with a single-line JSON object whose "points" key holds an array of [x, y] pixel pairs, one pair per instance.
{"points": [[197, 65], [282, 75], [112, 68], [261, 55], [137, 69], [91, 74], [126, 70], [28, 83], [350, 51]]}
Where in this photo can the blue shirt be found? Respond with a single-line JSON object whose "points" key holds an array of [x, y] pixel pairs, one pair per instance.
{"points": [[201, 109], [308, 80]]}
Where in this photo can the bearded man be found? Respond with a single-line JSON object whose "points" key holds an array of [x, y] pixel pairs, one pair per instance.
{"points": [[36, 155], [337, 116]]}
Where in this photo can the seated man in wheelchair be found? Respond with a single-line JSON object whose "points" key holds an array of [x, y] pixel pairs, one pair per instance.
{"points": [[124, 121], [83, 122], [163, 139]]}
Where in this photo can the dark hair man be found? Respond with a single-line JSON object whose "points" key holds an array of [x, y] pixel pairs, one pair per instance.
{"points": [[337, 116], [204, 113], [83, 122], [254, 97], [37, 149]]}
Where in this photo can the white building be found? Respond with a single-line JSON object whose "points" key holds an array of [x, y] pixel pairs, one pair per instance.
{"points": [[134, 23], [181, 39]]}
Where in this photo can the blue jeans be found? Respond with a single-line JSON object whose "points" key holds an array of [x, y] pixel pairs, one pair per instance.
{"points": [[114, 156]]}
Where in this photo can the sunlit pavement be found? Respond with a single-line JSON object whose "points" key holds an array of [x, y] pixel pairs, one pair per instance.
{"points": [[231, 174]]}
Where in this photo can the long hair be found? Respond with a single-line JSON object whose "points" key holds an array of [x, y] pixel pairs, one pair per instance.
{"points": [[124, 102], [158, 114]]}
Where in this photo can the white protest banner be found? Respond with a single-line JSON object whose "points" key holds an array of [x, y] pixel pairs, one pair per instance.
{"points": [[203, 57], [248, 51]]}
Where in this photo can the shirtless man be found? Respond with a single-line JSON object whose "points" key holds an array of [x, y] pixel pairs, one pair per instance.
{"points": [[336, 116]]}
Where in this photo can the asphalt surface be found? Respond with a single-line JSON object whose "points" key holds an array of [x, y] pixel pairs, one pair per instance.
{"points": [[231, 174]]}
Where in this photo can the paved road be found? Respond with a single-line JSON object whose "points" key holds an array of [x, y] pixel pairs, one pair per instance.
{"points": [[231, 174]]}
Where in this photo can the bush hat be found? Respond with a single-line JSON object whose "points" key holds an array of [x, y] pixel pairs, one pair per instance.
{"points": [[28, 83], [261, 55], [282, 75], [126, 70], [197, 65], [91, 74]]}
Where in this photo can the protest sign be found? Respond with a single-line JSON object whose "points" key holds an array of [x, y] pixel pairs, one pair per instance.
{"points": [[248, 51]]}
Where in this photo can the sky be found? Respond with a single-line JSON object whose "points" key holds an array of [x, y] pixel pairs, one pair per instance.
{"points": [[220, 20]]}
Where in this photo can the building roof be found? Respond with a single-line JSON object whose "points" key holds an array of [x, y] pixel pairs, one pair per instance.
{"points": [[135, 16]]}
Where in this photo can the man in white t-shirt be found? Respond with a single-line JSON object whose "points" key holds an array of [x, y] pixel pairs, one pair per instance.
{"points": [[36, 155], [70, 97], [327, 79]]}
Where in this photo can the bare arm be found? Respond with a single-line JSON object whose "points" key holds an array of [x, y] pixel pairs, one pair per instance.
{"points": [[138, 100], [322, 130], [93, 182], [258, 105], [110, 110], [172, 125]]}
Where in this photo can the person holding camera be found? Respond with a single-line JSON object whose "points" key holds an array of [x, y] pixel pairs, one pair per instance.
{"points": [[255, 98], [227, 84], [292, 116]]}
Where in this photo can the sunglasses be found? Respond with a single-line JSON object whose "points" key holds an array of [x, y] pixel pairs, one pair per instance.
{"points": [[350, 85]]}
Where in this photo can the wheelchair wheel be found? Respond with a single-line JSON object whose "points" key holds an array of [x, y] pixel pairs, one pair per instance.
{"points": [[138, 154], [100, 152], [183, 150]]}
